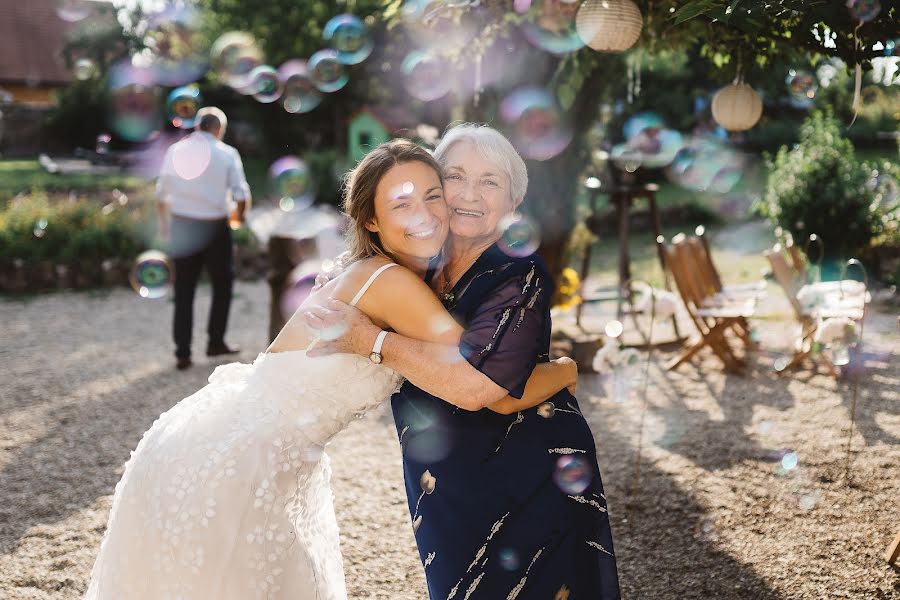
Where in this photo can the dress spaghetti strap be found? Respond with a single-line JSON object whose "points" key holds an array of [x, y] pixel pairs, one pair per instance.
{"points": [[368, 283], [359, 294]]}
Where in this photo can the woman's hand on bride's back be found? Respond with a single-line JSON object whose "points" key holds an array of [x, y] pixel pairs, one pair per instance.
{"points": [[342, 329]]}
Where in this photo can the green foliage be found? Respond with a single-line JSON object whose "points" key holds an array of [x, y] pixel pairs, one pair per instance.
{"points": [[33, 229], [80, 113], [819, 186], [327, 168], [18, 176]]}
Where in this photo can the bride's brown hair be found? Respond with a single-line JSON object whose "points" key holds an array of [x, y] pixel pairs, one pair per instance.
{"points": [[359, 193]]}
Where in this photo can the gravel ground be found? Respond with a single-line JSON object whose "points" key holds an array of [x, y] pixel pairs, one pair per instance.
{"points": [[712, 517]]}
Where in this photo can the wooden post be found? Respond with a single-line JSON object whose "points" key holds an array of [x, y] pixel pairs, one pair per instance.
{"points": [[650, 190], [586, 257], [893, 550], [622, 198]]}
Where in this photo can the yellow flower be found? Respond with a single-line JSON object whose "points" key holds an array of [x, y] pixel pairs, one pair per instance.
{"points": [[567, 296]]}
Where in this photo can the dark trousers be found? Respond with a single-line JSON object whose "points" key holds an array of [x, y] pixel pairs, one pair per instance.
{"points": [[197, 244]]}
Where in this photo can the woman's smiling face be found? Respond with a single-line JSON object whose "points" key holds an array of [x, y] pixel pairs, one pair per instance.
{"points": [[411, 217], [477, 192]]}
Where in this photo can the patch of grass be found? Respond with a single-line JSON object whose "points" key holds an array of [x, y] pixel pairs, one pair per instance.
{"points": [[737, 252], [18, 176]]}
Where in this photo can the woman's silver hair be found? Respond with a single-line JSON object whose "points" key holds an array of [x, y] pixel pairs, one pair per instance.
{"points": [[493, 146]]}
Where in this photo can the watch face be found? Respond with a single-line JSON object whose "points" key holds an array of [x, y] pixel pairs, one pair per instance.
{"points": [[375, 357]]}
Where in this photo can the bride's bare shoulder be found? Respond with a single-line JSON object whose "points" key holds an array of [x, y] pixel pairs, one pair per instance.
{"points": [[356, 274]]}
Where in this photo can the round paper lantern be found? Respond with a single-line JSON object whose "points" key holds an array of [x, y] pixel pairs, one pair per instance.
{"points": [[737, 107], [609, 25]]}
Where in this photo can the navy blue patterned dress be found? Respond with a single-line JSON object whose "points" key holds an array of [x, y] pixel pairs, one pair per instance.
{"points": [[505, 507]]}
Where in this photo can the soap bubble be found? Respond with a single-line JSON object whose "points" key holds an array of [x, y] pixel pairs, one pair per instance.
{"points": [[551, 27], [182, 105], [425, 76], [349, 38], [327, 72], [264, 84], [299, 95], [234, 55], [174, 43], [572, 474], [519, 235], [152, 274], [539, 129]]}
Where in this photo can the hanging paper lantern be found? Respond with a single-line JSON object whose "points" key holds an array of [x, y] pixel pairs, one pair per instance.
{"points": [[737, 107], [609, 25]]}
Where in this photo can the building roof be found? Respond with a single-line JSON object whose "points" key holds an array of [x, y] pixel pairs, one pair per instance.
{"points": [[32, 36]]}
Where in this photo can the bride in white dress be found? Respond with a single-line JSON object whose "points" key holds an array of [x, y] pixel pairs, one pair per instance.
{"points": [[227, 496]]}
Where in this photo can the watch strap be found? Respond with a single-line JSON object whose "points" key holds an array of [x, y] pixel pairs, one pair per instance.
{"points": [[379, 342]]}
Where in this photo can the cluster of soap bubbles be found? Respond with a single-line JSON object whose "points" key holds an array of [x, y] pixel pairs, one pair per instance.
{"points": [[297, 83], [175, 57]]}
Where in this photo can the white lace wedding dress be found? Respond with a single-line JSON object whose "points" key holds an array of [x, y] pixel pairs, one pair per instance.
{"points": [[227, 496]]}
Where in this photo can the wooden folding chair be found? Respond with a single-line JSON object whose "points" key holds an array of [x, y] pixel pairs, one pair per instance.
{"points": [[808, 319], [711, 321], [893, 550], [799, 262], [739, 291], [718, 295]]}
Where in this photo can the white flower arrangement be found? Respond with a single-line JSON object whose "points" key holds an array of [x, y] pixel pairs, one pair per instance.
{"points": [[665, 301], [613, 356], [831, 293], [837, 330]]}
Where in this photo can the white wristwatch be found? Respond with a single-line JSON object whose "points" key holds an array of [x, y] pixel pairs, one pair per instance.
{"points": [[375, 355]]}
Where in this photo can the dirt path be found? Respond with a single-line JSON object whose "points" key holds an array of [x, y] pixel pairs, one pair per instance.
{"points": [[85, 374]]}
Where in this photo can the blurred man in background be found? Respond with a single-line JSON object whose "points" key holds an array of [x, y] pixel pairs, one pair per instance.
{"points": [[201, 178]]}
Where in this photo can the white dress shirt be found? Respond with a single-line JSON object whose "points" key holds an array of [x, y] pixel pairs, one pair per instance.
{"points": [[201, 176]]}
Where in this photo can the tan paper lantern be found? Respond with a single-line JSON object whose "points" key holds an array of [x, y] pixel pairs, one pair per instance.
{"points": [[609, 25], [737, 107]]}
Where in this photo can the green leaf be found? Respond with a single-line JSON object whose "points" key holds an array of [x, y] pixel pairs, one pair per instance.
{"points": [[693, 9], [566, 95]]}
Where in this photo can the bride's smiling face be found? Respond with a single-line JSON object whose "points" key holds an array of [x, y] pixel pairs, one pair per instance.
{"points": [[411, 215]]}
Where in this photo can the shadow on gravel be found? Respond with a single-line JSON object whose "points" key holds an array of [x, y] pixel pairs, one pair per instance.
{"points": [[666, 549], [80, 458]]}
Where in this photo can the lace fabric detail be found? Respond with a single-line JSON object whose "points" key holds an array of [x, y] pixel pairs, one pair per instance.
{"points": [[228, 494]]}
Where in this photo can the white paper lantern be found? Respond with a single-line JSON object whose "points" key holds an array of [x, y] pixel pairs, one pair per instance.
{"points": [[609, 25], [737, 107]]}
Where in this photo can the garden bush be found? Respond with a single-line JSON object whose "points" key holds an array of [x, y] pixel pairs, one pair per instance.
{"points": [[819, 186], [37, 236]]}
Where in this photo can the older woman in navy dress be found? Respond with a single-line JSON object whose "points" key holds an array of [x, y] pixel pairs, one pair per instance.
{"points": [[503, 506]]}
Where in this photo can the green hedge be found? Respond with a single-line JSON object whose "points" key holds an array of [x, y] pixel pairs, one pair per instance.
{"points": [[33, 229]]}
